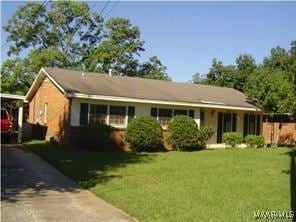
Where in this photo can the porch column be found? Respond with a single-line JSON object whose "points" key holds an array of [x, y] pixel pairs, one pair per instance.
{"points": [[20, 121], [197, 117]]}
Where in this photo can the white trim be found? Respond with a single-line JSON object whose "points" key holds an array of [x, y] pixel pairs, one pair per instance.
{"points": [[45, 113], [163, 102], [108, 114], [210, 102], [12, 96], [38, 80], [56, 84]]}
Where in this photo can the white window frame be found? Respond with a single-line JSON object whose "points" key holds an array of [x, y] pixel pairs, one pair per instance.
{"points": [[45, 116], [173, 113], [94, 104], [125, 119]]}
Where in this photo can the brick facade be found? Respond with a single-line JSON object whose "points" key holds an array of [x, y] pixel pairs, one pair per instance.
{"points": [[56, 119], [273, 132], [118, 139]]}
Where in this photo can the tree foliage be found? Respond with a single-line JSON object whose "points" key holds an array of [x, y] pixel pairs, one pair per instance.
{"points": [[69, 35], [221, 75], [269, 89], [270, 85]]}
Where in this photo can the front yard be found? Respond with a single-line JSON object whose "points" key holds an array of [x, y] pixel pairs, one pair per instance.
{"points": [[218, 185]]}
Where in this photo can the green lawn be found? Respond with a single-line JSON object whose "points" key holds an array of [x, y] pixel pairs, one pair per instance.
{"points": [[217, 185]]}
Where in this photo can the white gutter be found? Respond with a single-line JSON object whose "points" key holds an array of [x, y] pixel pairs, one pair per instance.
{"points": [[162, 102], [12, 96]]}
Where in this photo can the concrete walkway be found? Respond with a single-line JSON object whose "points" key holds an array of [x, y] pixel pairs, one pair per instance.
{"points": [[32, 190]]}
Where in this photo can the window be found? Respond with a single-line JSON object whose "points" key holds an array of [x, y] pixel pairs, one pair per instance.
{"points": [[226, 123], [180, 112], [164, 116], [252, 124], [202, 118], [117, 115], [153, 112], [83, 114], [113, 115], [191, 113], [130, 113], [98, 113], [45, 113]]}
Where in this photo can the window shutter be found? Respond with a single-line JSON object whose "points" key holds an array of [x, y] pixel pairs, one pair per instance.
{"points": [[153, 112], [227, 127], [219, 127], [202, 118], [258, 124], [191, 113], [246, 124], [130, 113], [83, 113], [234, 122]]}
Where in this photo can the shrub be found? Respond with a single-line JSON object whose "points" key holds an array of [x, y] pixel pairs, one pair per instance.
{"points": [[232, 139], [183, 133], [254, 141], [144, 133], [203, 134], [96, 136]]}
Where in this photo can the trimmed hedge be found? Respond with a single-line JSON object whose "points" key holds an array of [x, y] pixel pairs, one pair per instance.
{"points": [[96, 136], [232, 139], [183, 133], [203, 134], [144, 133], [255, 141]]}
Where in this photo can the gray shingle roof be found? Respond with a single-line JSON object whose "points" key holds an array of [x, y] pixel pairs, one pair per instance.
{"points": [[139, 88]]}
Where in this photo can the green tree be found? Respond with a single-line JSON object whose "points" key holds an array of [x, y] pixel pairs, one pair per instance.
{"points": [[16, 76], [292, 64], [118, 50], [153, 69], [197, 78], [278, 59], [245, 65], [67, 27], [221, 75], [68, 35], [270, 90]]}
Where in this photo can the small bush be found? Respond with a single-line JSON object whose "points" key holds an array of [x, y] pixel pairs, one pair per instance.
{"points": [[96, 136], [203, 134], [144, 133], [183, 133], [254, 141], [232, 139]]}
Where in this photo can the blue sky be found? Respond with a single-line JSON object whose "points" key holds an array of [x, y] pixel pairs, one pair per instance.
{"points": [[186, 36]]}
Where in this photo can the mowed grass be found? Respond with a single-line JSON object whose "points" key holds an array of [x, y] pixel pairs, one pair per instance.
{"points": [[217, 185]]}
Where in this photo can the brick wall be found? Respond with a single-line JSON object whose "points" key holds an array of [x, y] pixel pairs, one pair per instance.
{"points": [[56, 123], [273, 131], [118, 139]]}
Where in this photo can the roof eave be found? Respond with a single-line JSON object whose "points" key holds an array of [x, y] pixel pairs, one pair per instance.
{"points": [[161, 102], [42, 74]]}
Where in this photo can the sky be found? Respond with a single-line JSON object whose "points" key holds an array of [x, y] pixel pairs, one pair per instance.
{"points": [[186, 36]]}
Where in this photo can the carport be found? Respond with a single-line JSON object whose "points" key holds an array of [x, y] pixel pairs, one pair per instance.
{"points": [[21, 100]]}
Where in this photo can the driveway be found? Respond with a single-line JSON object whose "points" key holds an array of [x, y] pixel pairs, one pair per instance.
{"points": [[32, 190]]}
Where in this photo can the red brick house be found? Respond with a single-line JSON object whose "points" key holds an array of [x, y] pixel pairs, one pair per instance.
{"points": [[61, 100]]}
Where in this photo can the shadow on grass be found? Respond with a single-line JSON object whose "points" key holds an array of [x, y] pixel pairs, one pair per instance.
{"points": [[86, 168], [292, 173]]}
